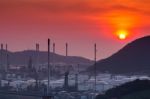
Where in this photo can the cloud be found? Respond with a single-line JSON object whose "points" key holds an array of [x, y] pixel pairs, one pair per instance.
{"points": [[122, 7], [67, 6], [39, 10]]}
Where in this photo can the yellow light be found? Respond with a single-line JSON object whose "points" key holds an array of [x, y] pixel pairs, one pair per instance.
{"points": [[122, 34]]}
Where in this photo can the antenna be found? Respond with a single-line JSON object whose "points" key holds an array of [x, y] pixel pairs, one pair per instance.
{"points": [[95, 51], [48, 67]]}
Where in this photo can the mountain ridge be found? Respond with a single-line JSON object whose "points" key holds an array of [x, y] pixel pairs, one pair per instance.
{"points": [[133, 58], [22, 57]]}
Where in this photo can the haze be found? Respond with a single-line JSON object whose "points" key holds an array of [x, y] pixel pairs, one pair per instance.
{"points": [[81, 23]]}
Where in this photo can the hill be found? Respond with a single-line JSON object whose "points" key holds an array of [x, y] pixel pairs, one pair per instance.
{"points": [[138, 89], [133, 58], [22, 58]]}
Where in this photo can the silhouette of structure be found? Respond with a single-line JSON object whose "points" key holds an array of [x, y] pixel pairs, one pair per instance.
{"points": [[36, 67], [95, 73], [30, 64], [66, 85], [76, 78], [37, 56], [66, 49], [54, 48], [7, 59], [31, 69], [1, 57], [48, 87]]}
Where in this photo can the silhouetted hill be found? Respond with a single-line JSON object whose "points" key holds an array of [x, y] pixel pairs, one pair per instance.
{"points": [[22, 58], [133, 58], [138, 89]]}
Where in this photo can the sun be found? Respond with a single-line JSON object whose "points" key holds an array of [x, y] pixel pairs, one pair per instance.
{"points": [[122, 34]]}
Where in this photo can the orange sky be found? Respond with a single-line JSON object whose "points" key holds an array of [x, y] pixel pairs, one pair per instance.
{"points": [[78, 22]]}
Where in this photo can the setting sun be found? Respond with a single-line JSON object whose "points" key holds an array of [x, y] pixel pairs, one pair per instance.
{"points": [[122, 34]]}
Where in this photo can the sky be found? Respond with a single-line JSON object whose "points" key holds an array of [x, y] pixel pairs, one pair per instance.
{"points": [[80, 23]]}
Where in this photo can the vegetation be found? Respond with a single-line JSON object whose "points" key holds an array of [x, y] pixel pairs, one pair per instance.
{"points": [[138, 89]]}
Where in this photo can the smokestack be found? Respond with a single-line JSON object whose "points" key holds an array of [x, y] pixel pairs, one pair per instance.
{"points": [[66, 49], [7, 58], [48, 66], [66, 85], [37, 47], [53, 47], [95, 51], [36, 67], [53, 58], [1, 57], [6, 47], [1, 46], [37, 56]]}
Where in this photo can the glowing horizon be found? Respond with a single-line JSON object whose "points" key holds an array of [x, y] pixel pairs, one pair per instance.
{"points": [[80, 23]]}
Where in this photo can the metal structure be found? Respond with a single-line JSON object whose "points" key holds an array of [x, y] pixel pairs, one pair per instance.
{"points": [[1, 57], [66, 71], [95, 73], [48, 87], [44, 95], [7, 58], [54, 48], [36, 67], [66, 49]]}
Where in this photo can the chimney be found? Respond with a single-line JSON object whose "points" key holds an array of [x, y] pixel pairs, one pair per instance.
{"points": [[6, 47], [53, 47], [7, 58], [95, 73], [66, 49], [1, 46], [37, 47], [48, 66]]}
